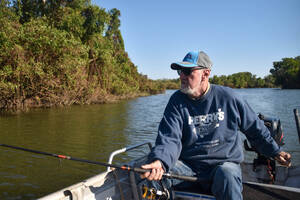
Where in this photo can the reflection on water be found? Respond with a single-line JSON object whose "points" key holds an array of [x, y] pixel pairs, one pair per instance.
{"points": [[92, 132], [88, 132]]}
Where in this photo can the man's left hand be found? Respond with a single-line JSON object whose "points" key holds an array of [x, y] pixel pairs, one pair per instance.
{"points": [[284, 158]]}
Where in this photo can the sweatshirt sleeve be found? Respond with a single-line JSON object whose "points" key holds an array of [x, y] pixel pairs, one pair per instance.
{"points": [[168, 142], [256, 132]]}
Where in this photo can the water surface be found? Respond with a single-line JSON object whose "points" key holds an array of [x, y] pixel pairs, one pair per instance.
{"points": [[92, 132]]}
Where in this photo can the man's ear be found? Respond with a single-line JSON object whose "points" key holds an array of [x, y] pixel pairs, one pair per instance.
{"points": [[205, 74]]}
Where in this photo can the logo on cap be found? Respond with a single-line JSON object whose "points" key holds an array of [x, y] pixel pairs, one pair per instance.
{"points": [[188, 56]]}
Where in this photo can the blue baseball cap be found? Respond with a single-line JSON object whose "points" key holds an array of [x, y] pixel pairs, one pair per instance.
{"points": [[193, 59]]}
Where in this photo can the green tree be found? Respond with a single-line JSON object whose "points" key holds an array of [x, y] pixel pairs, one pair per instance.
{"points": [[287, 72], [96, 20], [243, 80], [4, 8], [113, 31], [57, 52], [269, 81]]}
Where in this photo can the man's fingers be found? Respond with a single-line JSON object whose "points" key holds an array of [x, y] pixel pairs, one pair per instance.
{"points": [[152, 175], [145, 175], [156, 171], [159, 175], [284, 158], [287, 159], [288, 156], [148, 166], [149, 175], [156, 175]]}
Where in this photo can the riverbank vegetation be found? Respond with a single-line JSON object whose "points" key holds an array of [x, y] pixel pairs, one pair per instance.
{"points": [[284, 74], [63, 53], [244, 80], [237, 80], [172, 84], [72, 52], [287, 73]]}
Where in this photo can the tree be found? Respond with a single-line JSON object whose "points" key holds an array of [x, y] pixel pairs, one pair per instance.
{"points": [[63, 52], [243, 80], [96, 19], [269, 81], [287, 72], [113, 32]]}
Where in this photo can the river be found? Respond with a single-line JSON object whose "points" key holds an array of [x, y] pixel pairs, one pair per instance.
{"points": [[92, 132]]}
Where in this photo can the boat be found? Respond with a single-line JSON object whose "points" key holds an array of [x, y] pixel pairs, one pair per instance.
{"points": [[117, 184], [262, 179]]}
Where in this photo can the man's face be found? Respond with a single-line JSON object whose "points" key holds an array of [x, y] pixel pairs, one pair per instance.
{"points": [[191, 84]]}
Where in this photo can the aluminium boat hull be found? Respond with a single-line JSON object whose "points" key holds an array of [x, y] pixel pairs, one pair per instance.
{"points": [[124, 185]]}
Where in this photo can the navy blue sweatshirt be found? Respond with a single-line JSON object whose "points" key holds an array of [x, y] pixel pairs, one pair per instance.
{"points": [[205, 132]]}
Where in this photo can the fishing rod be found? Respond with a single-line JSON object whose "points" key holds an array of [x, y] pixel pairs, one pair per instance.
{"points": [[134, 169]]}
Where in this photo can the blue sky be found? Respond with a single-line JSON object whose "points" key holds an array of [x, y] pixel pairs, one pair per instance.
{"points": [[238, 35]]}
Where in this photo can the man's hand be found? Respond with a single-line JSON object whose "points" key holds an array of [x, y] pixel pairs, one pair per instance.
{"points": [[284, 158], [156, 173]]}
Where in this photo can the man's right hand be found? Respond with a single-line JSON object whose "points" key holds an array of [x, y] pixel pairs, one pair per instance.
{"points": [[284, 158], [156, 173]]}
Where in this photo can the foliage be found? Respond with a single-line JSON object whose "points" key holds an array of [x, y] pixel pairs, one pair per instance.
{"points": [[57, 52], [287, 72], [169, 83], [243, 80], [237, 80], [63, 53], [40, 66]]}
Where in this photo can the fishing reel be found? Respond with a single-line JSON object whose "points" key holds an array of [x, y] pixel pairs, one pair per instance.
{"points": [[154, 194]]}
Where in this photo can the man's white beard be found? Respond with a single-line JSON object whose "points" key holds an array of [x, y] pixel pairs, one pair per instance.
{"points": [[187, 90]]}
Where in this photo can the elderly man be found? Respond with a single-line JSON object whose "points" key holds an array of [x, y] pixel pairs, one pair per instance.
{"points": [[199, 132]]}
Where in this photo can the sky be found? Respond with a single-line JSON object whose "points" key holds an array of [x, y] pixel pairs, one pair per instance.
{"points": [[238, 35]]}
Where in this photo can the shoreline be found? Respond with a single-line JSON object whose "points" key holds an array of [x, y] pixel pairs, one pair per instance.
{"points": [[32, 103]]}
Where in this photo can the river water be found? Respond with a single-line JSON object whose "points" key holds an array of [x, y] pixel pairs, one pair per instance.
{"points": [[92, 132]]}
